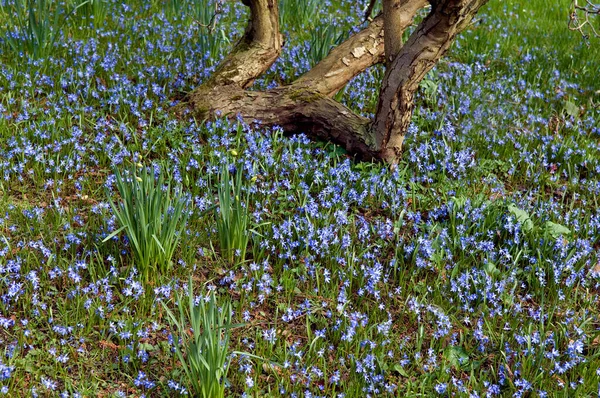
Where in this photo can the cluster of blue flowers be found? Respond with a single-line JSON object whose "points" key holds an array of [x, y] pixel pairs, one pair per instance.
{"points": [[360, 280]]}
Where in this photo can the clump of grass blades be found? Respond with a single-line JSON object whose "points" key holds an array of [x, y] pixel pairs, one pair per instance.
{"points": [[153, 215], [32, 27], [94, 11], [322, 40], [296, 14], [206, 14], [232, 216], [203, 353]]}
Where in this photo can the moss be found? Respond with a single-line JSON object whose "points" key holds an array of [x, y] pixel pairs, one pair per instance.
{"points": [[305, 95], [202, 113]]}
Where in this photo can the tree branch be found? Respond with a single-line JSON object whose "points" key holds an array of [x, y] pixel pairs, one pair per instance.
{"points": [[427, 44], [369, 9], [579, 20], [395, 20], [256, 51], [352, 57], [294, 110], [305, 106]]}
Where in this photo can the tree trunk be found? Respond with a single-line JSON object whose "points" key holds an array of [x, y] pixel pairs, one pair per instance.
{"points": [[256, 51], [305, 105], [396, 16], [422, 51], [295, 110]]}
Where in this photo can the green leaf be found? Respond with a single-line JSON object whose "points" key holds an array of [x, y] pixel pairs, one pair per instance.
{"points": [[455, 271], [337, 151], [114, 233], [457, 356], [152, 213], [429, 88], [491, 269], [147, 347], [400, 369], [522, 217], [556, 230], [477, 364], [571, 108]]}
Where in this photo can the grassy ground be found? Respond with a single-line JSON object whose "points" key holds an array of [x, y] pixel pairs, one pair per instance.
{"points": [[473, 268]]}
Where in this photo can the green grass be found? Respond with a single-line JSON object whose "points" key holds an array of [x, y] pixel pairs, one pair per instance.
{"points": [[232, 216], [204, 356], [536, 27], [471, 264], [153, 214]]}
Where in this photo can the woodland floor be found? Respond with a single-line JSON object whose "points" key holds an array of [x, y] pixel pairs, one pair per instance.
{"points": [[472, 268]]}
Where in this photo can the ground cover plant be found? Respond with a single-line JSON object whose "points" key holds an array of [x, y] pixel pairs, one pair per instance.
{"points": [[152, 214], [471, 268], [205, 362]]}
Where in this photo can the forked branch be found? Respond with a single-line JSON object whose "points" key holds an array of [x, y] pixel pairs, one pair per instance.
{"points": [[355, 55], [582, 17], [305, 106], [359, 52]]}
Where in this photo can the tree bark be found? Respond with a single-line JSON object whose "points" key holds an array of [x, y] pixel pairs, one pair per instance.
{"points": [[427, 44], [295, 110], [361, 51], [397, 16], [256, 51], [305, 105]]}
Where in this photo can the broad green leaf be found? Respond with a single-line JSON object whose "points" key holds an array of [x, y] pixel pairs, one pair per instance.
{"points": [[491, 269], [455, 271], [457, 356], [522, 217], [400, 369], [556, 230], [571, 109]]}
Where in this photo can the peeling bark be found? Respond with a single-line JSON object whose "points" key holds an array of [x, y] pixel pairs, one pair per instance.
{"points": [[361, 51], [305, 105]]}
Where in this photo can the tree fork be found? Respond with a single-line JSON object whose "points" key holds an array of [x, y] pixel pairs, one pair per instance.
{"points": [[306, 106], [359, 52], [302, 106]]}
